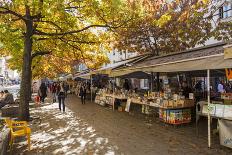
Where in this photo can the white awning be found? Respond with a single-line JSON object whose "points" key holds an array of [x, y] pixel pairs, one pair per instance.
{"points": [[85, 76], [200, 63], [110, 67]]}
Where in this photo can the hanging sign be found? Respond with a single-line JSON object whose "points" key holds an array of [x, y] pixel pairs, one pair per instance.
{"points": [[228, 52], [229, 74]]}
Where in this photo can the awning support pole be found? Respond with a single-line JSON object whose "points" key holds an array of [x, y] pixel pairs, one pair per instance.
{"points": [[91, 89], [209, 119], [114, 82], [152, 81]]}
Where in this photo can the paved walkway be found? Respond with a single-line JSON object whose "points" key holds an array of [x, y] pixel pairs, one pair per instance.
{"points": [[91, 129], [132, 134]]}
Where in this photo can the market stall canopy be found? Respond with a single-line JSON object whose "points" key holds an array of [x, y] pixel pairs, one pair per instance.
{"points": [[137, 75], [200, 73], [108, 69], [83, 75], [203, 58]]}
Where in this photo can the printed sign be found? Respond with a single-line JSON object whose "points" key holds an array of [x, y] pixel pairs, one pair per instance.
{"points": [[229, 74]]}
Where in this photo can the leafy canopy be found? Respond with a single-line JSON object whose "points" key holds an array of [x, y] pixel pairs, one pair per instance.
{"points": [[165, 26], [64, 32]]}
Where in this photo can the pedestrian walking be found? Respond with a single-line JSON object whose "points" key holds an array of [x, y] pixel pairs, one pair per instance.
{"points": [[42, 92], [83, 93], [54, 90], [61, 96], [66, 89]]}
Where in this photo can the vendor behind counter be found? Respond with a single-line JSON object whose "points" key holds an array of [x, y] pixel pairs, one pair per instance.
{"points": [[186, 90]]}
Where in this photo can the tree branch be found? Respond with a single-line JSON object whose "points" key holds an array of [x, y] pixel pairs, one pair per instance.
{"points": [[8, 11], [49, 22], [40, 53], [38, 32]]}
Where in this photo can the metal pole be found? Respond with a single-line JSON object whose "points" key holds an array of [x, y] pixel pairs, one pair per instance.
{"points": [[152, 81], [91, 89], [209, 119], [114, 82]]}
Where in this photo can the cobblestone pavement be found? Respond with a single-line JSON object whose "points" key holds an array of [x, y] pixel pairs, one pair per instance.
{"points": [[92, 129]]}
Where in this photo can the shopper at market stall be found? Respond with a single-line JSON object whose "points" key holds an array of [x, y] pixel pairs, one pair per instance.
{"points": [[198, 93], [42, 92], [220, 87], [83, 93], [61, 95], [126, 85]]}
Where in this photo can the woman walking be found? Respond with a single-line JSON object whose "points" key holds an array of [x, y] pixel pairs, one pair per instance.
{"points": [[61, 96], [54, 90], [42, 92], [83, 93]]}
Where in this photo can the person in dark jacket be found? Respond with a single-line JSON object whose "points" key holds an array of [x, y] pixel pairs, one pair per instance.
{"points": [[61, 96], [186, 90], [126, 85], [83, 93], [42, 92], [66, 89], [53, 90], [8, 99]]}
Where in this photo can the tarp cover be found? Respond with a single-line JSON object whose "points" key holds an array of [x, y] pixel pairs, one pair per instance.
{"points": [[225, 133]]}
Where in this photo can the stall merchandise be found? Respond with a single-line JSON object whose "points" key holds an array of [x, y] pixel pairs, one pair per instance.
{"points": [[173, 108], [175, 116]]}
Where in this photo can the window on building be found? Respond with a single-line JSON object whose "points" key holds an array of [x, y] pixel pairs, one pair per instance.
{"points": [[225, 11]]}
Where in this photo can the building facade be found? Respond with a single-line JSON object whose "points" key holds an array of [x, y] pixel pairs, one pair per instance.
{"points": [[6, 74], [223, 13]]}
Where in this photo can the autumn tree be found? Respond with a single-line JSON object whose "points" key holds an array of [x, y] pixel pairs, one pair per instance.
{"points": [[171, 26], [40, 34]]}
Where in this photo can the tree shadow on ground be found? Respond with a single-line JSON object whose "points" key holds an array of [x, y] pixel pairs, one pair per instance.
{"points": [[62, 133]]}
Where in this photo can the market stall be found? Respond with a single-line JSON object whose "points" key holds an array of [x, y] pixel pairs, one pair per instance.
{"points": [[205, 58]]}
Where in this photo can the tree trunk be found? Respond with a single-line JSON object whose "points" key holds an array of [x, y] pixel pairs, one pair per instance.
{"points": [[25, 89]]}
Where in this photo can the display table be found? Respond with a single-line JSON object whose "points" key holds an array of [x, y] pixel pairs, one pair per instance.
{"points": [[170, 111]]}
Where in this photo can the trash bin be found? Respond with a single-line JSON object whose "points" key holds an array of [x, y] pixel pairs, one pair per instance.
{"points": [[225, 133]]}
